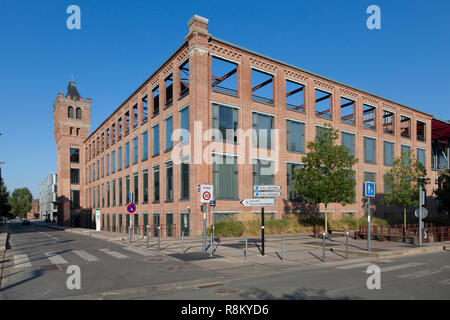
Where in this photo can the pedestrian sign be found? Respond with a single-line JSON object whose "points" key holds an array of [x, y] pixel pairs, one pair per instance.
{"points": [[369, 188]]}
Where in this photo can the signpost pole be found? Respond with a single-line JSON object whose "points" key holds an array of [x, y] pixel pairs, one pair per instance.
{"points": [[368, 223], [421, 203], [204, 228], [146, 239], [262, 230]]}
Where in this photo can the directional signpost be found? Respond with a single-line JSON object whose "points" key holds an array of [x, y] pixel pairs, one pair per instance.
{"points": [[369, 192], [263, 198], [206, 195]]}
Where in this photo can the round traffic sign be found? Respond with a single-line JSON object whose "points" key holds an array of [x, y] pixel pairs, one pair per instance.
{"points": [[206, 195], [131, 208], [424, 213]]}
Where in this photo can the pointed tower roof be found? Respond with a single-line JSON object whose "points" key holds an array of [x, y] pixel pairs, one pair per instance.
{"points": [[72, 91]]}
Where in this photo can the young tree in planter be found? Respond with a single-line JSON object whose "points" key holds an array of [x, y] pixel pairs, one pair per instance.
{"points": [[403, 181], [443, 191], [21, 201], [327, 176]]}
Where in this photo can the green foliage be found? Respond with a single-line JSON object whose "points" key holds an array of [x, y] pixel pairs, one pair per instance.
{"points": [[443, 191], [21, 201], [5, 207], [327, 176], [227, 229], [403, 180]]}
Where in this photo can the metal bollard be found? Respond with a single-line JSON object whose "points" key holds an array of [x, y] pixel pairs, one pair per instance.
{"points": [[282, 249], [159, 238], [346, 245], [129, 234], [246, 247], [146, 239], [323, 259], [137, 235], [121, 232], [182, 242], [211, 246]]}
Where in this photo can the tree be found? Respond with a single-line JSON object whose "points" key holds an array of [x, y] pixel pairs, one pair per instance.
{"points": [[403, 181], [443, 191], [21, 201], [327, 176], [4, 200]]}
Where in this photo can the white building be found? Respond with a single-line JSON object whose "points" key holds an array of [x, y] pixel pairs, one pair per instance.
{"points": [[48, 206]]}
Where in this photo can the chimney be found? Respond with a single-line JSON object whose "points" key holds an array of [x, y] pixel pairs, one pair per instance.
{"points": [[198, 26]]}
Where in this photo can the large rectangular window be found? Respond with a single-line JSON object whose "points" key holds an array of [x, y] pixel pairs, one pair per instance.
{"points": [[169, 90], [184, 180], [292, 195], [169, 130], [184, 79], [114, 193], [369, 119], [145, 146], [135, 150], [74, 199], [388, 153], [420, 131], [155, 101], [262, 87], [74, 155], [263, 172], [144, 109], [262, 130], [348, 140], [421, 156], [120, 191], [119, 160], [225, 121], [169, 181], [127, 189], [225, 177], [369, 150], [107, 164], [405, 127], [323, 104], [127, 122], [74, 176], [108, 192], [295, 96], [127, 155], [145, 186], [156, 140], [406, 150], [347, 111], [156, 184], [184, 125], [135, 116], [136, 187], [224, 76], [113, 161], [295, 136], [388, 122]]}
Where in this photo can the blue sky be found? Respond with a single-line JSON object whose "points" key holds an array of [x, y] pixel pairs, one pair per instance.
{"points": [[122, 42]]}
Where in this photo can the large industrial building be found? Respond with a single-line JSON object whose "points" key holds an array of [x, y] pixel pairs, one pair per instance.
{"points": [[48, 206], [245, 119]]}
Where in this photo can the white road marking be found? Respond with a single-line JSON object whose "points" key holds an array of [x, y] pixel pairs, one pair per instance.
{"points": [[447, 281], [86, 256], [423, 273], [21, 261], [49, 236], [143, 252], [114, 253], [402, 266], [55, 258], [362, 264]]}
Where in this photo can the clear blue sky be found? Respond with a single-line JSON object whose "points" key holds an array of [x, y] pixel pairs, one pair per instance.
{"points": [[122, 42]]}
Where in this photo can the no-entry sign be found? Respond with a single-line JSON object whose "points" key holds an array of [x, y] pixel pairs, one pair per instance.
{"points": [[206, 193]]}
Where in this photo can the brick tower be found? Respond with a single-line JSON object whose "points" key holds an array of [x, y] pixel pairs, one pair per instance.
{"points": [[71, 116]]}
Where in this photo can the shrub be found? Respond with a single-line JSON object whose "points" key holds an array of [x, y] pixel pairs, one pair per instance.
{"points": [[227, 229]]}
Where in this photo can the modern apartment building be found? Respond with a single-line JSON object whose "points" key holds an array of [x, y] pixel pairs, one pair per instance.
{"points": [[48, 206], [217, 113]]}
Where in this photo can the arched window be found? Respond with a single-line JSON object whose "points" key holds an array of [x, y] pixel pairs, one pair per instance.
{"points": [[78, 113], [70, 112]]}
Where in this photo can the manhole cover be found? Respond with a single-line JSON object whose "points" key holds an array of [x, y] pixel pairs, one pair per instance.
{"points": [[226, 291], [49, 267], [175, 268], [156, 259]]}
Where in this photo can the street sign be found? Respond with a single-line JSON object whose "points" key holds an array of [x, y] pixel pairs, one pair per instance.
{"points": [[258, 202], [269, 194], [206, 193], [97, 220], [266, 188], [369, 188], [424, 213], [212, 203], [131, 208]]}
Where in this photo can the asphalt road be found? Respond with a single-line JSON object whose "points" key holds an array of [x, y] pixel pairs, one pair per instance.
{"points": [[36, 265]]}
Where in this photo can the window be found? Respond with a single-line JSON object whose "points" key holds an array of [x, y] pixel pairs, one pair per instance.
{"points": [[113, 133], [262, 87], [144, 109], [369, 150], [156, 140], [184, 125], [225, 177], [262, 130], [135, 116], [225, 121], [113, 161], [156, 184], [295, 136], [127, 189], [107, 164], [135, 150], [74, 199], [421, 156], [145, 186], [420, 131], [388, 153], [70, 112], [78, 113], [184, 180], [169, 182], [169, 90], [74, 176], [127, 155], [102, 167], [292, 195], [224, 76], [114, 193], [156, 100], [98, 169], [108, 197], [184, 79], [145, 146], [74, 155], [388, 122], [321, 130], [127, 122], [347, 111], [323, 104], [169, 129], [136, 187], [295, 96], [406, 149], [120, 128], [103, 195], [103, 141], [387, 188], [98, 196], [369, 117], [405, 127], [120, 190], [107, 137], [263, 172], [119, 160], [348, 140]]}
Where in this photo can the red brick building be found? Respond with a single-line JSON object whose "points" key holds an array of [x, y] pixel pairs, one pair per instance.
{"points": [[206, 84]]}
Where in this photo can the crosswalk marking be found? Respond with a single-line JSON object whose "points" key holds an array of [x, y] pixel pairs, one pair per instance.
{"points": [[419, 274], [21, 261], [86, 256], [143, 252], [55, 258], [402, 266], [113, 253]]}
